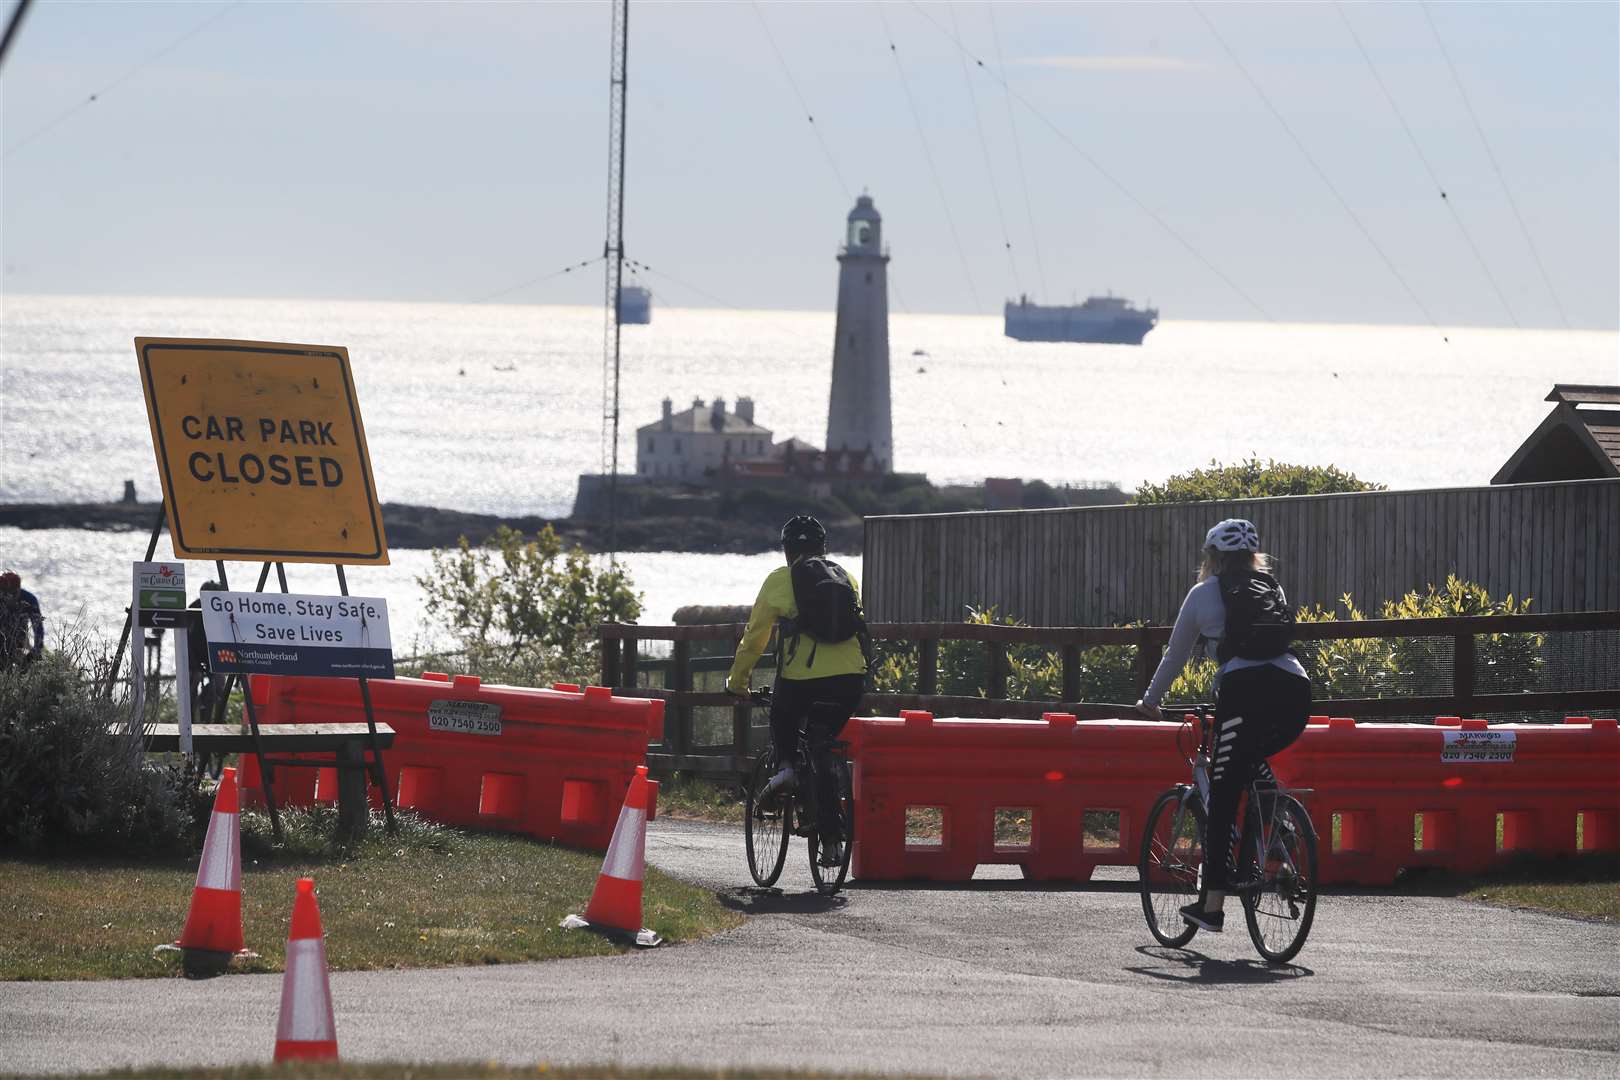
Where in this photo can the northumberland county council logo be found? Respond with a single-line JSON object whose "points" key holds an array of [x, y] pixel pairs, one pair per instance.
{"points": [[227, 656]]}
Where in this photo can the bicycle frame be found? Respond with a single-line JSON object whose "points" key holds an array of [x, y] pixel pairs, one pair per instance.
{"points": [[1257, 814]]}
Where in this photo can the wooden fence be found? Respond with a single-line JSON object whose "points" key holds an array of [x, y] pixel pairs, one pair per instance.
{"points": [[622, 665], [1557, 543]]}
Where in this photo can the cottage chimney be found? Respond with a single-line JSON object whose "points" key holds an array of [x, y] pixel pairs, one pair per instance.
{"points": [[717, 418], [669, 414], [697, 403], [745, 409]]}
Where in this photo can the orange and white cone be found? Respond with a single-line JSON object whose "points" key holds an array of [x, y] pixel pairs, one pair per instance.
{"points": [[213, 930], [305, 1029], [615, 906]]}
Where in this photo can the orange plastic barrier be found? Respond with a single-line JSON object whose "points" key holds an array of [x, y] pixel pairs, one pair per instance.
{"points": [[936, 798], [551, 763], [931, 795], [1458, 794]]}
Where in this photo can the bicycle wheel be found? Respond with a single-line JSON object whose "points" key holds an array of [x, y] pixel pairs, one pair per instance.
{"points": [[1172, 858], [1280, 908], [829, 879], [766, 825]]}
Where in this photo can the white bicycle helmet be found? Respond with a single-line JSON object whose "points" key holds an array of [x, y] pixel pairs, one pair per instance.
{"points": [[1233, 534]]}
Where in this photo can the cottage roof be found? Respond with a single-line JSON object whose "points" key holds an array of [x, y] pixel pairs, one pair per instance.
{"points": [[702, 420], [1579, 439]]}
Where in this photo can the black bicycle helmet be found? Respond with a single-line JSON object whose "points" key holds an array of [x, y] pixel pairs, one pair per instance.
{"points": [[802, 531]]}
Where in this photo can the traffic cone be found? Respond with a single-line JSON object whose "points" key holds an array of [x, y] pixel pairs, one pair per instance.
{"points": [[305, 1029], [213, 930], [615, 906]]}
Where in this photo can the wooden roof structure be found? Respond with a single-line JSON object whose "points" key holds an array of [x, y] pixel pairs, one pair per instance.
{"points": [[1579, 439]]}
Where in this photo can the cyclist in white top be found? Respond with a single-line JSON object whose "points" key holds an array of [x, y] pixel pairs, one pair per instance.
{"points": [[1262, 694]]}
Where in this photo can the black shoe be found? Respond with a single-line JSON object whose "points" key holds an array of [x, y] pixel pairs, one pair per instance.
{"points": [[1204, 920], [832, 855]]}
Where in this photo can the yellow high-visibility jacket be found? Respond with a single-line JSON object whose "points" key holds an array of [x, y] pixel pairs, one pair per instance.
{"points": [[775, 601]]}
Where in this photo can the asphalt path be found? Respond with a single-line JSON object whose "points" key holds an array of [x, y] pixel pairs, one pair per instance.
{"points": [[993, 979]]}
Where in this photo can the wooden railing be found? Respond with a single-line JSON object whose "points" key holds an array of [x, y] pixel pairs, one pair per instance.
{"points": [[621, 660]]}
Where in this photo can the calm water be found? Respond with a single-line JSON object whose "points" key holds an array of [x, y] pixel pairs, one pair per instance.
{"points": [[1392, 404], [83, 579]]}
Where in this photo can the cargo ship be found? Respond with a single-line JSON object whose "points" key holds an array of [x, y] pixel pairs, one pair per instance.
{"points": [[635, 305], [1105, 320]]}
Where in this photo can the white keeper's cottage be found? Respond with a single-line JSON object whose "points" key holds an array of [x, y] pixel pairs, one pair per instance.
{"points": [[701, 441]]}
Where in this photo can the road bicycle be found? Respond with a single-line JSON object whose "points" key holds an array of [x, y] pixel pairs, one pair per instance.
{"points": [[775, 817], [1276, 864]]}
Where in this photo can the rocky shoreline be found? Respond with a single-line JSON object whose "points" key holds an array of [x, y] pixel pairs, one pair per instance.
{"points": [[410, 526]]}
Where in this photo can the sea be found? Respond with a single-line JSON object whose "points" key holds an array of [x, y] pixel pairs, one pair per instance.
{"points": [[498, 409]]}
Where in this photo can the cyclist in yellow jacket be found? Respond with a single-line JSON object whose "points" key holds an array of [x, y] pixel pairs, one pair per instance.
{"points": [[820, 676]]}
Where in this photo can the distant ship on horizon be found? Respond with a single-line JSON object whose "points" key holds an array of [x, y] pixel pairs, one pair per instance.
{"points": [[635, 305], [1103, 320]]}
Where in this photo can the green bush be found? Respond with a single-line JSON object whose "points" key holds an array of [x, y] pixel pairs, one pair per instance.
{"points": [[1400, 667], [1353, 667], [64, 777], [525, 611], [1034, 672], [1251, 479]]}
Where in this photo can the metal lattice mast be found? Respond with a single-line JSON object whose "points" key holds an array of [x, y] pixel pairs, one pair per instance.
{"points": [[613, 256]]}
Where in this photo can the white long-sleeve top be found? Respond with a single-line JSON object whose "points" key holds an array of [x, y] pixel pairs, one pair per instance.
{"points": [[1203, 614]]}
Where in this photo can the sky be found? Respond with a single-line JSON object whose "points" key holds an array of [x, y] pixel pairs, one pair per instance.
{"points": [[1221, 161]]}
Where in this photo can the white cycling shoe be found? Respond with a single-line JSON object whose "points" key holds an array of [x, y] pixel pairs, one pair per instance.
{"points": [[782, 781]]}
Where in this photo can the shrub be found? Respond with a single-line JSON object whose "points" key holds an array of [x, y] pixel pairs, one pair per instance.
{"points": [[1353, 667], [1395, 667], [1251, 479], [64, 777], [525, 611]]}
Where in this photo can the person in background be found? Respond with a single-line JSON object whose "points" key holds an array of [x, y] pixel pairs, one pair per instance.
{"points": [[204, 690], [1262, 694], [19, 611]]}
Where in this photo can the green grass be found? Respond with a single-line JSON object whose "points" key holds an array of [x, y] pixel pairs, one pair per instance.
{"points": [[1587, 899], [426, 897], [1585, 886], [346, 1070], [695, 798]]}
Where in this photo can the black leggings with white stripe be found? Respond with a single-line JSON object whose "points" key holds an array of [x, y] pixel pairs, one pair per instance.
{"points": [[1258, 712]]}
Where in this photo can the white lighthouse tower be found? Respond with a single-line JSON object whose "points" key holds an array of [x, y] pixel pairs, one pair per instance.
{"points": [[858, 415]]}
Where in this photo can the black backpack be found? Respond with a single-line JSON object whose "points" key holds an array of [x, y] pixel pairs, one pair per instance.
{"points": [[1259, 622], [828, 609]]}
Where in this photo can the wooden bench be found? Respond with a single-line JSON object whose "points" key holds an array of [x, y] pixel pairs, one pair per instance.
{"points": [[347, 741]]}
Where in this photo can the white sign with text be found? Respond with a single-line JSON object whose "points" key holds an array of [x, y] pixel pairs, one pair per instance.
{"points": [[1479, 746], [295, 634]]}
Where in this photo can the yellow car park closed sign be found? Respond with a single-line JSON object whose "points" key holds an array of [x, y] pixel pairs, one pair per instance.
{"points": [[261, 451]]}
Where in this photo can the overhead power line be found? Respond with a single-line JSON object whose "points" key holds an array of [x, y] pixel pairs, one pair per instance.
{"points": [[1427, 167], [569, 269], [826, 151], [1097, 166], [984, 149], [1018, 151], [1506, 190], [643, 267], [922, 137], [1355, 219], [125, 77]]}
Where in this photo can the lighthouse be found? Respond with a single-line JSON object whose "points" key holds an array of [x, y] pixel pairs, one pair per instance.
{"points": [[858, 413]]}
